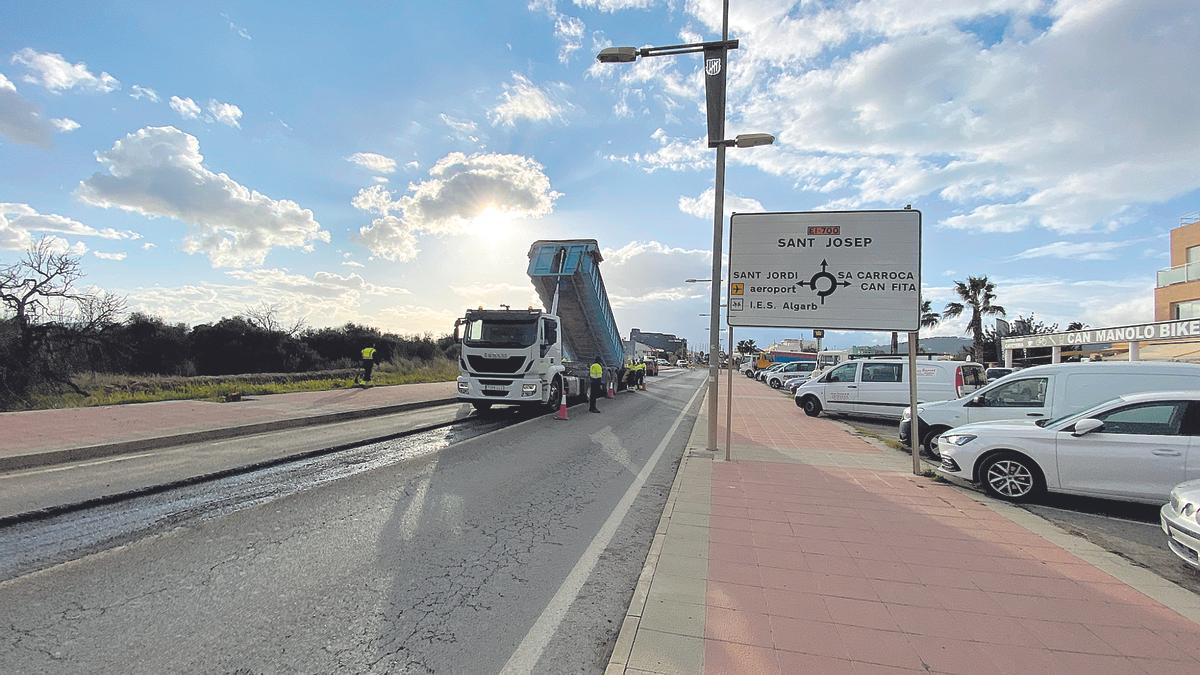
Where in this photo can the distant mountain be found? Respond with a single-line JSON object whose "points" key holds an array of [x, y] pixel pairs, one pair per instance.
{"points": [[935, 345]]}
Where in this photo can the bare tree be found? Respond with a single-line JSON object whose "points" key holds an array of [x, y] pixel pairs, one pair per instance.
{"points": [[269, 317], [41, 295]]}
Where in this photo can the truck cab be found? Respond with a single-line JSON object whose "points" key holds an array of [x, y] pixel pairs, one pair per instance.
{"points": [[511, 357]]}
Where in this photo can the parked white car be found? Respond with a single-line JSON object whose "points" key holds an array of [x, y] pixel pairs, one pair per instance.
{"points": [[1180, 519], [790, 370], [879, 387], [1135, 447], [1045, 392], [761, 374]]}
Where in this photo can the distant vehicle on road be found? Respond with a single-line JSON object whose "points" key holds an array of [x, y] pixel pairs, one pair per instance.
{"points": [[663, 362], [682, 363], [1044, 392], [651, 366], [1180, 519], [1136, 447], [879, 387]]}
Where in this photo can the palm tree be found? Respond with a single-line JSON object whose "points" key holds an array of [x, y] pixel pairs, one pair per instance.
{"points": [[1076, 325], [929, 319], [746, 347], [977, 294]]}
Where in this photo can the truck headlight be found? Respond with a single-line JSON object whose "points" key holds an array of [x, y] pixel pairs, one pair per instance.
{"points": [[956, 439], [529, 389], [463, 387]]}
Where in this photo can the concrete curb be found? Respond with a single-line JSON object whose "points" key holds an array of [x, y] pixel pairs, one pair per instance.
{"points": [[51, 457]]}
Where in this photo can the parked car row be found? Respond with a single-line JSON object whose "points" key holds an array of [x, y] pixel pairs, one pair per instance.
{"points": [[1125, 431]]}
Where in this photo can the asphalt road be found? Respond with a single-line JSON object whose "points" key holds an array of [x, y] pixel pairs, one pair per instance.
{"points": [[518, 547]]}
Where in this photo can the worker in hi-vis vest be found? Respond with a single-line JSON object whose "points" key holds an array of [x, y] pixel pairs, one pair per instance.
{"points": [[596, 390], [368, 362]]}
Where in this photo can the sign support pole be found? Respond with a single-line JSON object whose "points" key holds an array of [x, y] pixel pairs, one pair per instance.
{"points": [[729, 402], [914, 439]]}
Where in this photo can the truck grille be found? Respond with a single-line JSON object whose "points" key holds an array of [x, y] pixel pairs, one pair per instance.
{"points": [[485, 365]]}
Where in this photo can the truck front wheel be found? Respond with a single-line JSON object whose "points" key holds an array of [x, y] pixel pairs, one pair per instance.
{"points": [[555, 397]]}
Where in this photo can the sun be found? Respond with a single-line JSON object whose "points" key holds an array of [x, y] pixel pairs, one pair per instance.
{"points": [[493, 224]]}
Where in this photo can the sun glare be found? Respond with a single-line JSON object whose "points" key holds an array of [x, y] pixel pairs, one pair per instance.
{"points": [[493, 224]]}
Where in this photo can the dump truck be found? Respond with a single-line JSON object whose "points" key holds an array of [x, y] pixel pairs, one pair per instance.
{"points": [[530, 357]]}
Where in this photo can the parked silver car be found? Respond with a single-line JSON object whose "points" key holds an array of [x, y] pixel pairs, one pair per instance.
{"points": [[1180, 520]]}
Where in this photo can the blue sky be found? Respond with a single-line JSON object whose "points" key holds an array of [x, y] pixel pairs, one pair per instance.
{"points": [[391, 162]]}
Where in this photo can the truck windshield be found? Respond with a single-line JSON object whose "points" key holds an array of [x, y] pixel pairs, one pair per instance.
{"points": [[499, 333]]}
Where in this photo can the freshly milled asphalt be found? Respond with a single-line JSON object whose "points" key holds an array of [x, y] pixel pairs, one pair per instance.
{"points": [[437, 564]]}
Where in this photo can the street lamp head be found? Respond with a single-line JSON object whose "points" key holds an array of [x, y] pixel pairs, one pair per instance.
{"points": [[695, 281], [617, 55], [753, 140]]}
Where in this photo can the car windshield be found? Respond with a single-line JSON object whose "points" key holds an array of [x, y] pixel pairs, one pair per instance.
{"points": [[1077, 414], [500, 333]]}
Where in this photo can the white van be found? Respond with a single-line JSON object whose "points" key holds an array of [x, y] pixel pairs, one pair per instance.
{"points": [[879, 387], [1047, 392]]}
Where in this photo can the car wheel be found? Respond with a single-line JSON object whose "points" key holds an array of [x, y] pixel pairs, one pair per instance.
{"points": [[774, 384], [931, 439], [1011, 477], [812, 407]]}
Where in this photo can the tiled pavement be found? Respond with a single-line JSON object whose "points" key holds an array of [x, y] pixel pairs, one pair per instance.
{"points": [[815, 551]]}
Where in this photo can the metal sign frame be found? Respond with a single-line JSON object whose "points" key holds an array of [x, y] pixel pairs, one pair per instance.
{"points": [[916, 310]]}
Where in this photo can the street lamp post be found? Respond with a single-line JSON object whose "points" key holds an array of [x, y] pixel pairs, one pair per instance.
{"points": [[715, 54]]}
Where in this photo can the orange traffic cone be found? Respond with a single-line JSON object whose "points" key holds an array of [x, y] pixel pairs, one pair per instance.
{"points": [[611, 393], [562, 407]]}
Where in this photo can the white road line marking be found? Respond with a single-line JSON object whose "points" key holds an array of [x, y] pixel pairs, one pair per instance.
{"points": [[530, 650]]}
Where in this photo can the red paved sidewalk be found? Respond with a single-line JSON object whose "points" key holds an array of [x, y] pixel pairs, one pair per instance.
{"points": [[48, 430], [796, 558]]}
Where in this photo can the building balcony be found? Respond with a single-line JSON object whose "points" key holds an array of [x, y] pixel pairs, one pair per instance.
{"points": [[1179, 274]]}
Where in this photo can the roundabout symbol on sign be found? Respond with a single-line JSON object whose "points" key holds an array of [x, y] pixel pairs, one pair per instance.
{"points": [[828, 282]]}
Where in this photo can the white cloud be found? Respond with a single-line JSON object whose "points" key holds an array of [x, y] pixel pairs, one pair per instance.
{"points": [[993, 122], [412, 166], [225, 113], [524, 100], [148, 246], [109, 256], [459, 190], [159, 171], [373, 162], [673, 154], [701, 206], [186, 107], [352, 263], [614, 5], [20, 120], [238, 30], [648, 271], [462, 128], [322, 299], [569, 30], [137, 91], [20, 222], [1074, 250], [65, 124], [56, 74]]}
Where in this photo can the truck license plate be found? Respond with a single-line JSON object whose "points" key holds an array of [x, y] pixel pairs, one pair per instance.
{"points": [[494, 387]]}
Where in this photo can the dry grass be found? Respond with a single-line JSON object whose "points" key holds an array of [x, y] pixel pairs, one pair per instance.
{"points": [[113, 389]]}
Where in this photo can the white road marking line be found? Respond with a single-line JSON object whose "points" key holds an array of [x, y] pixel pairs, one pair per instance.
{"points": [[530, 650]]}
